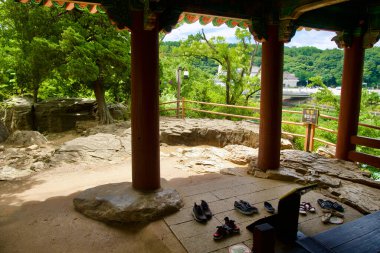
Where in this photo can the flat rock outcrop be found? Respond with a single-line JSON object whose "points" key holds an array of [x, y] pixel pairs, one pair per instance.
{"points": [[361, 197], [343, 180], [91, 149], [212, 132]]}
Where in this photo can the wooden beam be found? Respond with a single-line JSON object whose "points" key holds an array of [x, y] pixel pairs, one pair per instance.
{"points": [[364, 158], [312, 6], [365, 141]]}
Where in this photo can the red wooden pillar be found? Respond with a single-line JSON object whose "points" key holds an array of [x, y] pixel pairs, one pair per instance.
{"points": [[145, 106], [271, 101], [350, 97]]}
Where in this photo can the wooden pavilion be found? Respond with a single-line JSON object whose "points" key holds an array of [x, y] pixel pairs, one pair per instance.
{"points": [[272, 22]]}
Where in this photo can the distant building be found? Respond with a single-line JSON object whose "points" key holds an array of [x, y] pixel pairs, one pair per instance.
{"points": [[254, 71], [289, 80]]}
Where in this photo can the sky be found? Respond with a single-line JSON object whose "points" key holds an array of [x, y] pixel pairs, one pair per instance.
{"points": [[318, 39]]}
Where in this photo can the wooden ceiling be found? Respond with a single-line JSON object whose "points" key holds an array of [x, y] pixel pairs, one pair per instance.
{"points": [[333, 15]]}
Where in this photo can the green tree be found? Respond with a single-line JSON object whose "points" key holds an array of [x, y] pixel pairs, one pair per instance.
{"points": [[371, 73], [98, 56], [33, 35], [324, 97], [65, 53], [236, 61]]}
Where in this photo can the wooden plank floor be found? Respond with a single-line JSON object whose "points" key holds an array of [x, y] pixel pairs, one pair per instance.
{"points": [[359, 236]]}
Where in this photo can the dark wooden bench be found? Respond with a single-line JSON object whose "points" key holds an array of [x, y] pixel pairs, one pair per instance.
{"points": [[359, 236]]}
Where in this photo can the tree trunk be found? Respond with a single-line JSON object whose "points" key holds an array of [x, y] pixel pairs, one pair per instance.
{"points": [[103, 112], [35, 92], [228, 82]]}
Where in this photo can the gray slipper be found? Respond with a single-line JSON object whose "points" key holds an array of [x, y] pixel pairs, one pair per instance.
{"points": [[335, 220]]}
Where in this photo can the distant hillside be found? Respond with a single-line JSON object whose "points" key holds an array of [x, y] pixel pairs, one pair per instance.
{"points": [[306, 62]]}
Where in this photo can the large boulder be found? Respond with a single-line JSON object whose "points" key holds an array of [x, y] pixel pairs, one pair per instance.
{"points": [[52, 116], [17, 114], [119, 111], [62, 114], [26, 138]]}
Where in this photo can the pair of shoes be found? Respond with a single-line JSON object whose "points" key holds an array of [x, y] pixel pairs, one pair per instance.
{"points": [[306, 207], [327, 204], [269, 207], [333, 218], [229, 228], [202, 212], [245, 208]]}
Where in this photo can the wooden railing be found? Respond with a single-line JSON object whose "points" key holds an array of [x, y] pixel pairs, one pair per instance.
{"points": [[309, 133]]}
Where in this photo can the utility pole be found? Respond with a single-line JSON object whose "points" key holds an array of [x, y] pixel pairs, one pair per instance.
{"points": [[179, 72]]}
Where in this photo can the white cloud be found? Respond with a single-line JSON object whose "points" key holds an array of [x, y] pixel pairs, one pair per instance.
{"points": [[319, 39], [185, 30]]}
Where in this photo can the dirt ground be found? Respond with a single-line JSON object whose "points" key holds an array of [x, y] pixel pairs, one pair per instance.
{"points": [[37, 214]]}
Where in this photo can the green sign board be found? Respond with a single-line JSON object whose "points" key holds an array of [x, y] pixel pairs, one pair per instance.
{"points": [[310, 116]]}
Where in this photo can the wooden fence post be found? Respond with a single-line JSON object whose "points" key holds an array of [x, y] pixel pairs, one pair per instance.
{"points": [[183, 108], [309, 138], [311, 143]]}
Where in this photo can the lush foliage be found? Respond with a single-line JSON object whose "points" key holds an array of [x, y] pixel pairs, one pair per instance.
{"points": [[51, 52]]}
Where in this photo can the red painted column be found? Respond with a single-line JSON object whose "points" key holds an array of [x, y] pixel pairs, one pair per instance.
{"points": [[350, 97], [271, 101], [145, 106]]}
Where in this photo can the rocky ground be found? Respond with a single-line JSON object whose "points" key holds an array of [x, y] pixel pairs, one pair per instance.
{"points": [[216, 146]]}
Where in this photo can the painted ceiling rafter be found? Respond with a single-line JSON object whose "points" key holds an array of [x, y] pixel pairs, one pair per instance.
{"points": [[68, 5], [190, 18]]}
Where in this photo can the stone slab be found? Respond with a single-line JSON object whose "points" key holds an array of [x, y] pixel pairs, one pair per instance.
{"points": [[121, 203]]}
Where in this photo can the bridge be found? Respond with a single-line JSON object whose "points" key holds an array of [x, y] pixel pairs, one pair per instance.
{"points": [[303, 92]]}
